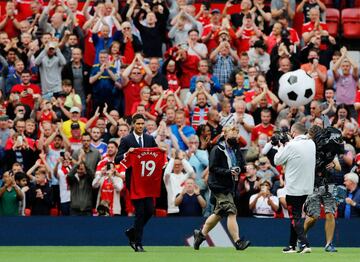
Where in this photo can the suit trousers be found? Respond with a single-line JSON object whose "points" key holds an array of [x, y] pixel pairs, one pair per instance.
{"points": [[144, 209]]}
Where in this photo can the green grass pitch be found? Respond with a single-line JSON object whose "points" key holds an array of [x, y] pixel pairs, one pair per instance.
{"points": [[169, 254]]}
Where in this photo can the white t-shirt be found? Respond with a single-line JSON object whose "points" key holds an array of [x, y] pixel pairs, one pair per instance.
{"points": [[63, 186], [282, 193], [262, 207]]}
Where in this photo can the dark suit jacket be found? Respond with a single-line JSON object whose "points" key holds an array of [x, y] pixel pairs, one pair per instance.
{"points": [[67, 73], [130, 141]]}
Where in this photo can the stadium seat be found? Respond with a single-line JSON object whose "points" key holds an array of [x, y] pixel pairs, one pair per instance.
{"points": [[160, 212], [27, 212], [350, 18], [54, 212], [328, 3], [332, 20]]}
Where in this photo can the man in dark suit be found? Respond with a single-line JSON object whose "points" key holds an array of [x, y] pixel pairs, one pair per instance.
{"points": [[144, 207]]}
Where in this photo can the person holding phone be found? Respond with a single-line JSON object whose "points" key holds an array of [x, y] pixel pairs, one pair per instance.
{"points": [[264, 204], [109, 184]]}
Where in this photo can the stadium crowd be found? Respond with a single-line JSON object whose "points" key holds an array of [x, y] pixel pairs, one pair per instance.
{"points": [[71, 79]]}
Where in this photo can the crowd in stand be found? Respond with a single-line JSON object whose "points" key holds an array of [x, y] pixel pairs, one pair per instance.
{"points": [[71, 79]]}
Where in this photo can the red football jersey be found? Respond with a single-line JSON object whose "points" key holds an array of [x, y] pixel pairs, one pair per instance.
{"points": [[147, 165]]}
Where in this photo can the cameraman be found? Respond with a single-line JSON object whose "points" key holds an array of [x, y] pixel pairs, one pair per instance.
{"points": [[225, 165], [323, 194], [298, 159]]}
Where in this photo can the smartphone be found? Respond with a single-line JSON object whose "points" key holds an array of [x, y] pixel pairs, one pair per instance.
{"points": [[19, 140], [108, 166], [62, 154]]}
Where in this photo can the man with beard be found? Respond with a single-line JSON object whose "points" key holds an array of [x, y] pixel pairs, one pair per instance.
{"points": [[200, 110], [53, 146], [91, 155], [28, 91], [96, 141], [225, 165], [213, 123], [108, 180], [265, 127], [50, 62]]}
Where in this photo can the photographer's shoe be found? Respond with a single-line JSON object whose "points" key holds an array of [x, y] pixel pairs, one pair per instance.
{"points": [[289, 250], [304, 249], [330, 248], [242, 244], [139, 248], [130, 234], [198, 239]]}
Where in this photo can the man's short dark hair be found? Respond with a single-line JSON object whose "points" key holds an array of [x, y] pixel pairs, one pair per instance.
{"points": [[299, 127], [114, 143], [19, 176], [26, 71], [193, 30], [265, 110], [136, 117], [86, 134]]}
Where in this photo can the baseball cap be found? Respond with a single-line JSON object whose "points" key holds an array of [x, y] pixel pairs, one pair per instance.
{"points": [[75, 109], [223, 32], [75, 125], [4, 118], [215, 11], [52, 45]]}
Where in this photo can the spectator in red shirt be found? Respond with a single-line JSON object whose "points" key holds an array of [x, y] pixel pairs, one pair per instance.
{"points": [[314, 27], [211, 31], [294, 37], [79, 16], [134, 81], [265, 127], [9, 22], [247, 31], [28, 92], [203, 16]]}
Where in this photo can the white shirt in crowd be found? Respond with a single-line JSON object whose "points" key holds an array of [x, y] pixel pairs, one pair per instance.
{"points": [[262, 208], [298, 157], [174, 183]]}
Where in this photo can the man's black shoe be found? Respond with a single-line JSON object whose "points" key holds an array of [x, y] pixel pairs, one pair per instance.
{"points": [[139, 248], [242, 244], [130, 234], [198, 239]]}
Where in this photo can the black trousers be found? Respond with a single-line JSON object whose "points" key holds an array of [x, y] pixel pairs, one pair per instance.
{"points": [[295, 206], [144, 209]]}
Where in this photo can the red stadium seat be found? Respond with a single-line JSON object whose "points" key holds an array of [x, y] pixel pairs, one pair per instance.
{"points": [[328, 3], [350, 18], [54, 212], [160, 212], [27, 212], [332, 21]]}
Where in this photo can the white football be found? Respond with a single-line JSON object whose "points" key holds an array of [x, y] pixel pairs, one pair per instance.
{"points": [[296, 88]]}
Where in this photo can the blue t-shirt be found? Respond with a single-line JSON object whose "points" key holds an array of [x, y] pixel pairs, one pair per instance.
{"points": [[187, 130], [102, 148], [104, 86]]}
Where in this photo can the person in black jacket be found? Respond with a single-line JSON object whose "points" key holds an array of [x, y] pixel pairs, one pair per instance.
{"points": [[40, 195], [225, 165], [79, 73], [144, 207]]}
